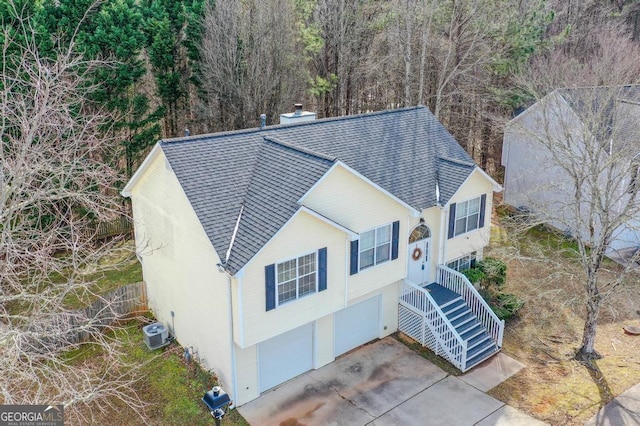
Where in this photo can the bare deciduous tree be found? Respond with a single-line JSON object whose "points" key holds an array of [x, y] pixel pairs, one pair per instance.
{"points": [[580, 144], [249, 62], [54, 183]]}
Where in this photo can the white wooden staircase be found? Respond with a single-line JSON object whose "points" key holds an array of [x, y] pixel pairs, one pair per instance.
{"points": [[450, 318]]}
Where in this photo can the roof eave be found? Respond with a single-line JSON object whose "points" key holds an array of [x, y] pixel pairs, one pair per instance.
{"points": [[351, 234], [412, 209], [496, 186], [126, 191]]}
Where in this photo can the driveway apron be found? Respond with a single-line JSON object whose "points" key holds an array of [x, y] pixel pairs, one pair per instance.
{"points": [[383, 383]]}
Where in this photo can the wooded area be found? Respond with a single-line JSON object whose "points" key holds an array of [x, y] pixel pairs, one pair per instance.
{"points": [[88, 86], [209, 66]]}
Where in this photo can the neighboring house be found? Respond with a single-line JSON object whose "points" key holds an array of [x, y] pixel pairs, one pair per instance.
{"points": [[272, 251], [597, 122]]}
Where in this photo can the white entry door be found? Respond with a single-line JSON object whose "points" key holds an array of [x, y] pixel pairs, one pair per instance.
{"points": [[285, 356], [418, 271]]}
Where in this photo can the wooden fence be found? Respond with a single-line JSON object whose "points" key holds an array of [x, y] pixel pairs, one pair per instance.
{"points": [[121, 303], [77, 326], [113, 228]]}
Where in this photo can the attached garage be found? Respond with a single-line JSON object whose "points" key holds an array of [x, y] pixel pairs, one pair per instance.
{"points": [[285, 356], [356, 325]]}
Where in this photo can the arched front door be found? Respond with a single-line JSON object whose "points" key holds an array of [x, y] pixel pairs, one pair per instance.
{"points": [[419, 244]]}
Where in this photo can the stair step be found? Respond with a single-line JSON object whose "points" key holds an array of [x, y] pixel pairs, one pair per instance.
{"points": [[457, 315], [481, 356], [463, 319], [472, 333], [480, 349], [458, 304], [452, 315], [446, 306], [464, 329], [478, 340], [477, 345]]}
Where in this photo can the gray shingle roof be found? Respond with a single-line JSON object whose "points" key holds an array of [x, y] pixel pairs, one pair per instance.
{"points": [[598, 108], [266, 171]]}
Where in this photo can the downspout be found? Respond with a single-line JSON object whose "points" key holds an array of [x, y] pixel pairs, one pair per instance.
{"points": [[443, 235], [347, 259], [223, 268], [234, 379], [443, 225]]}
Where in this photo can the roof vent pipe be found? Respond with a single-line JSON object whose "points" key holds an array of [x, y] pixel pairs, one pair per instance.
{"points": [[187, 132], [263, 121], [298, 109]]}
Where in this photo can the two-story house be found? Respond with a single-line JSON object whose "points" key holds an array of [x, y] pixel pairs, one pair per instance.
{"points": [[571, 160], [272, 251]]}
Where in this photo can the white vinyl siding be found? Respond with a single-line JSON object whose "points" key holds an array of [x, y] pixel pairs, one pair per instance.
{"points": [[467, 216], [375, 246], [178, 271]]}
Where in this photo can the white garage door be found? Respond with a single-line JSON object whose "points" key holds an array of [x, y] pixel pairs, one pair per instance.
{"points": [[285, 356], [356, 325]]}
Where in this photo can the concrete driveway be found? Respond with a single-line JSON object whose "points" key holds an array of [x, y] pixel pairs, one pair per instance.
{"points": [[623, 410], [384, 383]]}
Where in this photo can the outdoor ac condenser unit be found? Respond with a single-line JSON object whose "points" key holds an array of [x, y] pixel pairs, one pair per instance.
{"points": [[156, 335]]}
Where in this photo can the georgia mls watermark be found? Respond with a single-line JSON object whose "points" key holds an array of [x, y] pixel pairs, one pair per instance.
{"points": [[31, 415]]}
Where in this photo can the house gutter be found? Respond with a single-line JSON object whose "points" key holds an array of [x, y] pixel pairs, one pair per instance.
{"points": [[233, 236]]}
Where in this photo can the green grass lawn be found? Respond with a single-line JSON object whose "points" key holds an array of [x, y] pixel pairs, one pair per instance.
{"points": [[545, 272], [125, 270], [171, 387]]}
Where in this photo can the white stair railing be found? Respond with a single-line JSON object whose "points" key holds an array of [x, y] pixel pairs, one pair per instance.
{"points": [[442, 338], [455, 281]]}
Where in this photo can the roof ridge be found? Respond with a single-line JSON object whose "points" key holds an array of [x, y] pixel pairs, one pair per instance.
{"points": [[267, 129], [301, 149], [456, 161], [614, 86], [349, 117], [210, 136]]}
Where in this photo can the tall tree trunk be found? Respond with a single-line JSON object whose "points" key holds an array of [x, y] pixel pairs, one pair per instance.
{"points": [[408, 53], [423, 55], [587, 350]]}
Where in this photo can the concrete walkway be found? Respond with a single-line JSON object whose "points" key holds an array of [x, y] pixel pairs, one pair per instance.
{"points": [[386, 383], [624, 410]]}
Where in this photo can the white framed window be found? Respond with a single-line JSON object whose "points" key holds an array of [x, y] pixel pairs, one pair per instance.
{"points": [[467, 216], [463, 263], [375, 246], [296, 278]]}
